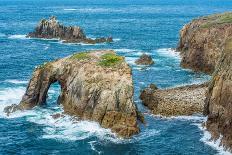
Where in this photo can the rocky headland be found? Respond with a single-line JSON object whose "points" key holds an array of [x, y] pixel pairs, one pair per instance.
{"points": [[202, 41], [95, 86], [51, 28], [184, 100]]}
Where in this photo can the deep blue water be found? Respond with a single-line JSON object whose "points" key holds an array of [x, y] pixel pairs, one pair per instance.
{"points": [[137, 27]]}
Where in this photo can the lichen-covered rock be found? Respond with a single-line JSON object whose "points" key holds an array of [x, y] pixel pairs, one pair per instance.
{"points": [[185, 100], [202, 41], [95, 86], [50, 29], [218, 104], [144, 59]]}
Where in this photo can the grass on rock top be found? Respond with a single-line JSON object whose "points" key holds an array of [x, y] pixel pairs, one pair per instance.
{"points": [[81, 56], [225, 18], [110, 59]]}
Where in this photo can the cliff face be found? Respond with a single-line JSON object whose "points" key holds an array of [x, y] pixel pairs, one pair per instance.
{"points": [[51, 28], [202, 41], [218, 104], [94, 86]]}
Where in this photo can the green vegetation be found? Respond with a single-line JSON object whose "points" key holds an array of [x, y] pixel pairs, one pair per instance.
{"points": [[110, 59], [81, 56], [217, 19]]}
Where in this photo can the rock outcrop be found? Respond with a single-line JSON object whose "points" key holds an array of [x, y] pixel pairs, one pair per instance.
{"points": [[185, 100], [202, 41], [218, 104], [50, 29], [95, 86], [144, 59]]}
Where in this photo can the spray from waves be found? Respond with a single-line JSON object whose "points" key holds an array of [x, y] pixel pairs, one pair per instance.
{"points": [[70, 9], [14, 81], [168, 52], [214, 144], [10, 96], [18, 36]]}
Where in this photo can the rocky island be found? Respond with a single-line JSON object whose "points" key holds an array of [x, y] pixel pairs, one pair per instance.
{"points": [[51, 28], [144, 59], [95, 86], [202, 41]]}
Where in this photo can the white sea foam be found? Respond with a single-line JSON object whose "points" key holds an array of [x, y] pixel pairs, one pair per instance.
{"points": [[10, 96], [214, 144], [16, 81], [17, 36], [70, 9], [184, 118], [168, 52], [125, 50]]}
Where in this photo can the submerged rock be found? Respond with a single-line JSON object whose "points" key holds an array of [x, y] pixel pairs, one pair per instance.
{"points": [[202, 41], [218, 103], [144, 59], [51, 28], [185, 100], [95, 86]]}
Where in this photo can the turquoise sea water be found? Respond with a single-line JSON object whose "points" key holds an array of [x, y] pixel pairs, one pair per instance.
{"points": [[137, 27]]}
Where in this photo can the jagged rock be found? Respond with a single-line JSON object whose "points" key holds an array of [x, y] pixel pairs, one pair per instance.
{"points": [[95, 86], [185, 100], [51, 28], [202, 41], [218, 103], [144, 59]]}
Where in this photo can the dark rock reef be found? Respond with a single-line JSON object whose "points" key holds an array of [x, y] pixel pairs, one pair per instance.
{"points": [[144, 59], [218, 104], [95, 86], [185, 100], [202, 41], [50, 29]]}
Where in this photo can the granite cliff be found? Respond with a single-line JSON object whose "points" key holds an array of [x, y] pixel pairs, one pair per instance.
{"points": [[51, 28], [202, 41], [95, 86], [218, 103]]}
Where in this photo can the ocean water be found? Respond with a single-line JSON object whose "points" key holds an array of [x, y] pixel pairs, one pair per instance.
{"points": [[136, 26]]}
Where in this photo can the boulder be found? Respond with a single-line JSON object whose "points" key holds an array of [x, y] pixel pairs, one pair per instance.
{"points": [[218, 103], [202, 41], [95, 86], [144, 59], [185, 100], [51, 28]]}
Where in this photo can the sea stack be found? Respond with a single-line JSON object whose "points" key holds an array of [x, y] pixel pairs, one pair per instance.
{"points": [[202, 41], [144, 59], [95, 86], [51, 28]]}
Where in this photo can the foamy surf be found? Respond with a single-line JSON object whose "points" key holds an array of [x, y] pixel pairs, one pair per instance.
{"points": [[70, 9], [18, 36], [14, 81], [206, 138], [169, 52]]}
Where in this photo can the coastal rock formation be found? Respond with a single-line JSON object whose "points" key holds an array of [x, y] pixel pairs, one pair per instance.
{"points": [[50, 29], [95, 86], [185, 100], [218, 104], [202, 41], [144, 59]]}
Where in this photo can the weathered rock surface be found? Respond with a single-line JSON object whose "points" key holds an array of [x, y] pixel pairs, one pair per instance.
{"points": [[95, 86], [185, 100], [218, 104], [202, 41], [51, 28], [144, 59]]}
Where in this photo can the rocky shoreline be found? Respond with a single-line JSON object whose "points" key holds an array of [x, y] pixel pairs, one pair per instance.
{"points": [[51, 28], [184, 100]]}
